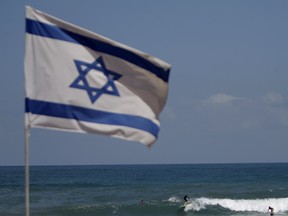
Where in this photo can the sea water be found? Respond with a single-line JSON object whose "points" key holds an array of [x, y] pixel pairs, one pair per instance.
{"points": [[158, 190]]}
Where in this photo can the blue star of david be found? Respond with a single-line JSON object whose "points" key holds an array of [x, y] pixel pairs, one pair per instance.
{"points": [[81, 82]]}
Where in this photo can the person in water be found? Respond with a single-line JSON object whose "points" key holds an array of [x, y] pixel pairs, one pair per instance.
{"points": [[271, 210], [186, 198]]}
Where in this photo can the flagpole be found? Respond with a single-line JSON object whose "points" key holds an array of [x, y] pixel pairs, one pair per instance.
{"points": [[27, 181]]}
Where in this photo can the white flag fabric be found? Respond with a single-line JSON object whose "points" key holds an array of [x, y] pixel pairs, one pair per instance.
{"points": [[77, 80]]}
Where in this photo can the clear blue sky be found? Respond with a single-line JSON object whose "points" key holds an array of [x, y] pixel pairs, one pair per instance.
{"points": [[228, 94]]}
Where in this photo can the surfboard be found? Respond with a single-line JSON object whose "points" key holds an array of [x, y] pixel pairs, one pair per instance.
{"points": [[185, 204], [182, 206]]}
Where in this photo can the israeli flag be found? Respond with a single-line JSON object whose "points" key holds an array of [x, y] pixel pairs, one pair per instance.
{"points": [[76, 80]]}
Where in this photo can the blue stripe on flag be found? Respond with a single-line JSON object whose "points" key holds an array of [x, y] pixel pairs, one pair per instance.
{"points": [[51, 31], [89, 115]]}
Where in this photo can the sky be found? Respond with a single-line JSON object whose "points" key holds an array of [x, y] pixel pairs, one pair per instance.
{"points": [[228, 93]]}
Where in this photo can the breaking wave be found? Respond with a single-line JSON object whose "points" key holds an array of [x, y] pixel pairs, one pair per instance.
{"points": [[253, 205]]}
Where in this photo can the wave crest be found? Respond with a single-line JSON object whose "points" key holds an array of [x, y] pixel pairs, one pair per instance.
{"points": [[255, 205]]}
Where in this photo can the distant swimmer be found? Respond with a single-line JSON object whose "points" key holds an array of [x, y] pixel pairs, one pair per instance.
{"points": [[186, 198], [271, 210]]}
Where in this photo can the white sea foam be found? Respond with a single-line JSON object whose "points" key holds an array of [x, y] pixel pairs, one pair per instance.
{"points": [[174, 199], [256, 205]]}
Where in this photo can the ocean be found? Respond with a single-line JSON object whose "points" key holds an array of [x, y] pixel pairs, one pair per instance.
{"points": [[156, 190]]}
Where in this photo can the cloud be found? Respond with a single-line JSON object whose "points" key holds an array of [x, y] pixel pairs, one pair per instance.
{"points": [[273, 98], [228, 113], [221, 98]]}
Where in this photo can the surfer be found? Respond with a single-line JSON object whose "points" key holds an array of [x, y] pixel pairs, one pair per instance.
{"points": [[186, 198], [271, 210]]}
